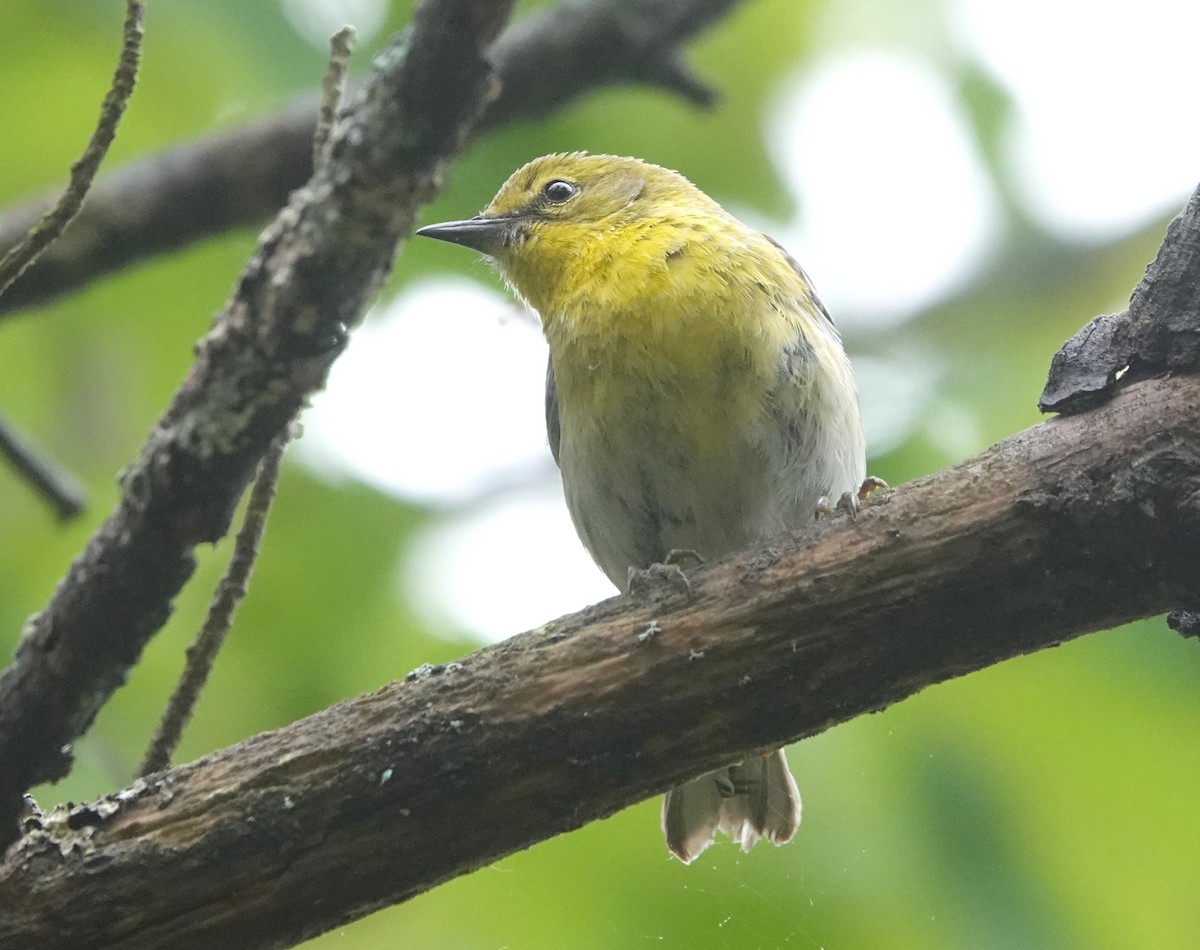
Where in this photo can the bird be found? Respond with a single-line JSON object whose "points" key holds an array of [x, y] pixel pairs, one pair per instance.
{"points": [[698, 398]]}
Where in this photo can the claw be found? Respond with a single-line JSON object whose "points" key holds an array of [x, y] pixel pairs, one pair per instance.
{"points": [[642, 583], [870, 485], [681, 557], [848, 503]]}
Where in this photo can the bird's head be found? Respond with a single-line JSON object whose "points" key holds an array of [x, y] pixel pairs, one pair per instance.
{"points": [[575, 219]]}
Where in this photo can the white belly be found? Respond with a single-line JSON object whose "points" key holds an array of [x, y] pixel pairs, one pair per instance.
{"points": [[637, 488]]}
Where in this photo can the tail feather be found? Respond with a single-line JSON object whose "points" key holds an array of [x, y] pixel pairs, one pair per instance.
{"points": [[753, 799], [690, 816]]}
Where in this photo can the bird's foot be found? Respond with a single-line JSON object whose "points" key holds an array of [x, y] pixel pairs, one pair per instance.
{"points": [[851, 501], [643, 582], [683, 556], [870, 485]]}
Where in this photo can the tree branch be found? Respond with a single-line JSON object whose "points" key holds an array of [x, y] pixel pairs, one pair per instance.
{"points": [[39, 236], [234, 585], [1078, 524], [231, 590], [240, 177], [315, 271], [31, 243], [55, 485]]}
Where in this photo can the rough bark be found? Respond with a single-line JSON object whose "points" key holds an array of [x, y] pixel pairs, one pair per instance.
{"points": [[1077, 524], [316, 270], [240, 177], [1159, 331]]}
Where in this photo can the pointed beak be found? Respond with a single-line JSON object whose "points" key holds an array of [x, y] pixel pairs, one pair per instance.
{"points": [[487, 235]]}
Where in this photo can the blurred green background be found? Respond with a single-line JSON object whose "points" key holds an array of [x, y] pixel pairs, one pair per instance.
{"points": [[1047, 802]]}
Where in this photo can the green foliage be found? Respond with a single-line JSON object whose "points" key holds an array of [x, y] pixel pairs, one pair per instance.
{"points": [[1042, 803]]}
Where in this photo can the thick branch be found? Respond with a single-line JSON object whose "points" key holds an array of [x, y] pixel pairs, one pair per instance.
{"points": [[315, 271], [1078, 524], [240, 177]]}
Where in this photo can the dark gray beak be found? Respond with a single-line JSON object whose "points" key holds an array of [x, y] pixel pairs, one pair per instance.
{"points": [[479, 233]]}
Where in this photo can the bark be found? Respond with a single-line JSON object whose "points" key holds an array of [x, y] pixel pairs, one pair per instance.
{"points": [[240, 177], [315, 272], [1077, 524], [1160, 330]]}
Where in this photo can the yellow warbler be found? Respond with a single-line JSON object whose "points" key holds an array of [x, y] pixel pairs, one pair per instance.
{"points": [[698, 397]]}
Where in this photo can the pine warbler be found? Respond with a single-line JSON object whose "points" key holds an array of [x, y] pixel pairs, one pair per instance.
{"points": [[697, 397]]}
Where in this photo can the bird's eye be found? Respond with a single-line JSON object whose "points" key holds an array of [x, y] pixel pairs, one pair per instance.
{"points": [[558, 191]]}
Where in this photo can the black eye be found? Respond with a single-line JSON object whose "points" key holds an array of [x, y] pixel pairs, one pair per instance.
{"points": [[558, 191]]}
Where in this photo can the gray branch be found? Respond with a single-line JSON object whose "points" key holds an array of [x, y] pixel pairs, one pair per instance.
{"points": [[240, 177], [1159, 331], [1078, 524], [316, 270]]}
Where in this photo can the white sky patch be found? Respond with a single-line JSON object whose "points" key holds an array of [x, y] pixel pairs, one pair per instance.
{"points": [[516, 562], [317, 20], [895, 208], [1105, 138], [514, 565], [895, 393], [438, 398]]}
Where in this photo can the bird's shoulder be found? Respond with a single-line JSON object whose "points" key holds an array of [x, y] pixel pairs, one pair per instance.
{"points": [[805, 281], [723, 260]]}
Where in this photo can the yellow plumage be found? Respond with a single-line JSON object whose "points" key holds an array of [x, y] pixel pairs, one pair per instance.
{"points": [[698, 396]]}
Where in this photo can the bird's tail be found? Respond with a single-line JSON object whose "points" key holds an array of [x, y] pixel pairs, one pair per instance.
{"points": [[753, 799]]}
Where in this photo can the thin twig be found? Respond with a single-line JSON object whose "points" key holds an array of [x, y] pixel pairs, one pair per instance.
{"points": [[341, 45], [57, 486], [239, 177], [231, 590], [46, 231], [51, 482]]}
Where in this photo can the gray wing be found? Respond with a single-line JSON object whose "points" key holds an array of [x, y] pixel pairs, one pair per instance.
{"points": [[808, 284], [553, 430]]}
